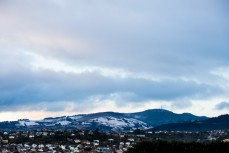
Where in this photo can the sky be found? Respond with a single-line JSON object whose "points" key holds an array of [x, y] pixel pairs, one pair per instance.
{"points": [[65, 57]]}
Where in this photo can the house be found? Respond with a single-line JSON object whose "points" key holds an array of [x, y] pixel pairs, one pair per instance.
{"points": [[41, 146], [5, 141], [131, 139], [38, 133], [5, 133], [127, 143], [11, 137], [119, 151], [141, 136], [26, 145], [110, 140], [45, 133], [225, 140], [40, 150], [52, 133], [86, 142], [105, 150], [122, 135], [81, 133], [63, 147], [31, 136], [33, 150], [96, 142], [80, 146], [77, 141], [34, 145]]}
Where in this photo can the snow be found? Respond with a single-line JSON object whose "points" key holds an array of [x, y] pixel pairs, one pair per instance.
{"points": [[110, 121], [46, 120], [76, 117], [63, 122], [85, 123], [27, 123], [118, 122]]}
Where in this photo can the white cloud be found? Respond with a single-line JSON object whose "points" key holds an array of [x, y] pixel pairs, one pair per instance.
{"points": [[124, 52]]}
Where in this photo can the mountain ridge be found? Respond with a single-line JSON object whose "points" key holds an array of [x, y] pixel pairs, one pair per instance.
{"points": [[215, 123], [105, 121]]}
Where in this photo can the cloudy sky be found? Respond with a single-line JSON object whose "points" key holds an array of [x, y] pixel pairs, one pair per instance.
{"points": [[64, 57]]}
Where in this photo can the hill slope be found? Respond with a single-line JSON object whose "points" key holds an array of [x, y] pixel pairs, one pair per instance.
{"points": [[105, 121], [156, 117], [216, 123]]}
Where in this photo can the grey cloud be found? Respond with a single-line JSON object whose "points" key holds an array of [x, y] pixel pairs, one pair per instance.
{"points": [[182, 103], [166, 39], [26, 87], [161, 35], [222, 105]]}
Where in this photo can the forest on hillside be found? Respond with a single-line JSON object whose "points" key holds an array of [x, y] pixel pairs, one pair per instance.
{"points": [[179, 147]]}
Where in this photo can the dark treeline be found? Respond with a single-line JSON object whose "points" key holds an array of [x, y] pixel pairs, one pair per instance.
{"points": [[179, 147]]}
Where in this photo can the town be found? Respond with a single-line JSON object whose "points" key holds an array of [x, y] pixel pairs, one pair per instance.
{"points": [[83, 141]]}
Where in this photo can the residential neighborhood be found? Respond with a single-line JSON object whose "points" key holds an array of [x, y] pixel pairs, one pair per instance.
{"points": [[81, 141]]}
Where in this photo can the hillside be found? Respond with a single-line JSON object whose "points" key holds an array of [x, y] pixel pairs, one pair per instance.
{"points": [[216, 123], [104, 121]]}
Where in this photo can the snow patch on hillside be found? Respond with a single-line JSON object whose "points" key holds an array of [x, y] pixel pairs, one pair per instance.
{"points": [[109, 121], [63, 122], [119, 122], [76, 117], [27, 123]]}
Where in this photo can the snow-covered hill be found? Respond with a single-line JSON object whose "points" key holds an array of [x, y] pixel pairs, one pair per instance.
{"points": [[116, 124], [105, 121]]}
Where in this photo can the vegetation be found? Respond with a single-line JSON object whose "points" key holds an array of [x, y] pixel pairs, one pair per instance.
{"points": [[216, 123], [179, 147]]}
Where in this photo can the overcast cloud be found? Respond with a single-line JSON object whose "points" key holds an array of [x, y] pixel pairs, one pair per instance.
{"points": [[55, 54], [222, 105]]}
